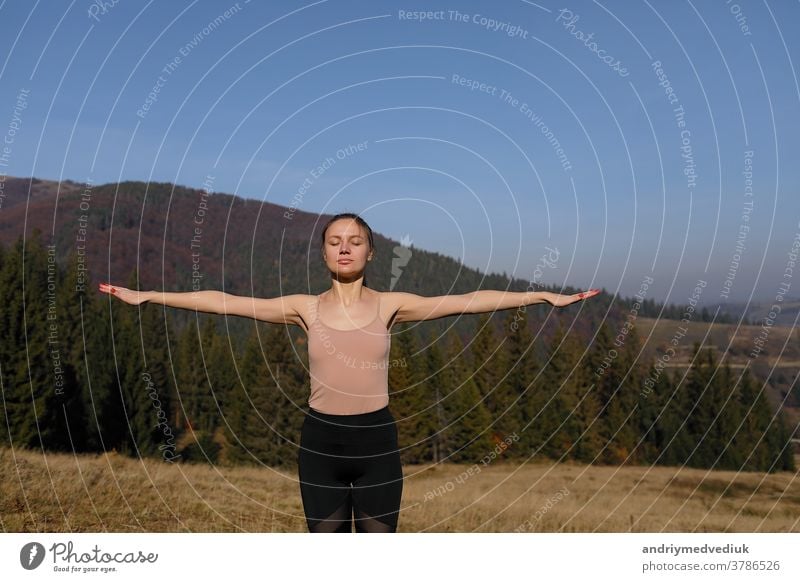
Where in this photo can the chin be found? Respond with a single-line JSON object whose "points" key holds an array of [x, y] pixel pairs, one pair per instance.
{"points": [[348, 273]]}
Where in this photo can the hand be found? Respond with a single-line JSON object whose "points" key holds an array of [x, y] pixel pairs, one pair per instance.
{"points": [[126, 295], [564, 300]]}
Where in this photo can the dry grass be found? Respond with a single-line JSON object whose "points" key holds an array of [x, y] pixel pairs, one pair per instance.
{"points": [[64, 493]]}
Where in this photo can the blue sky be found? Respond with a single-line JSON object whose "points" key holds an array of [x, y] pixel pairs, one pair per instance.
{"points": [[489, 131]]}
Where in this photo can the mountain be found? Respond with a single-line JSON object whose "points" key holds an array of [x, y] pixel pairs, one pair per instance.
{"points": [[170, 236], [177, 235]]}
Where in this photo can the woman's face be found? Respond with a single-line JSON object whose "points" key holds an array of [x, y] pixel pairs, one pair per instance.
{"points": [[346, 248]]}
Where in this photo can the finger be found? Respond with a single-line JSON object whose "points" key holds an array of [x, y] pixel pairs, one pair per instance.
{"points": [[587, 294]]}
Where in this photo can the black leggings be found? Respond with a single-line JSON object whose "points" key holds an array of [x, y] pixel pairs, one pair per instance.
{"points": [[339, 450]]}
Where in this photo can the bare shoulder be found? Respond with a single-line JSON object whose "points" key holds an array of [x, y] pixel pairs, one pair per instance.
{"points": [[391, 302], [393, 298]]}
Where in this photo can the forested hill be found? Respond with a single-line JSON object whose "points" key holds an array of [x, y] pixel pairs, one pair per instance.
{"points": [[81, 371], [179, 236]]}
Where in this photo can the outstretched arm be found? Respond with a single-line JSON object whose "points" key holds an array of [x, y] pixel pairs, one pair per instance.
{"points": [[411, 307], [285, 309]]}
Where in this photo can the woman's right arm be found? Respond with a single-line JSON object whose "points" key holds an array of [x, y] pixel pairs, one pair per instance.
{"points": [[284, 309], [206, 301]]}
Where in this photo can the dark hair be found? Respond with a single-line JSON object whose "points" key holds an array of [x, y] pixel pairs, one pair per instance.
{"points": [[360, 221]]}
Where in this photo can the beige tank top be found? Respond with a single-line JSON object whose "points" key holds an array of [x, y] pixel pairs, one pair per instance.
{"points": [[349, 368]]}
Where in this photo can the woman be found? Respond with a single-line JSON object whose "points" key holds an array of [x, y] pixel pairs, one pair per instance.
{"points": [[348, 462]]}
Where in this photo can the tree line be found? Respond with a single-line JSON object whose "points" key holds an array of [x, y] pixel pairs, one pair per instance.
{"points": [[83, 372]]}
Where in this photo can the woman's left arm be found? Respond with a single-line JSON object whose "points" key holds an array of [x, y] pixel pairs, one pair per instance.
{"points": [[411, 307], [487, 300]]}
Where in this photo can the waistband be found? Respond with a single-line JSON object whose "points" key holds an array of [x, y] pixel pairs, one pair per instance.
{"points": [[376, 418]]}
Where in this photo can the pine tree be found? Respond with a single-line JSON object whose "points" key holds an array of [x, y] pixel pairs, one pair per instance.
{"points": [[580, 434], [436, 388], [287, 387], [192, 378], [77, 325], [102, 397], [519, 381], [71, 325], [158, 382], [699, 424], [52, 376], [655, 389], [778, 444], [621, 414], [38, 384], [205, 413], [142, 387], [727, 403], [489, 365], [223, 380], [467, 437], [675, 442], [783, 443], [12, 359], [411, 401], [252, 404], [544, 408], [756, 413], [607, 374], [563, 408]]}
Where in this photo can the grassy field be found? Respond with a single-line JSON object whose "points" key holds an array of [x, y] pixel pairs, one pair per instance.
{"points": [[112, 493]]}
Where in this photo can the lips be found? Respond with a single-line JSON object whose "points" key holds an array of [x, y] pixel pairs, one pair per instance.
{"points": [[344, 261]]}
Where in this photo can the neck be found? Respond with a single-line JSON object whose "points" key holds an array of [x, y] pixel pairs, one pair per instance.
{"points": [[347, 292]]}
